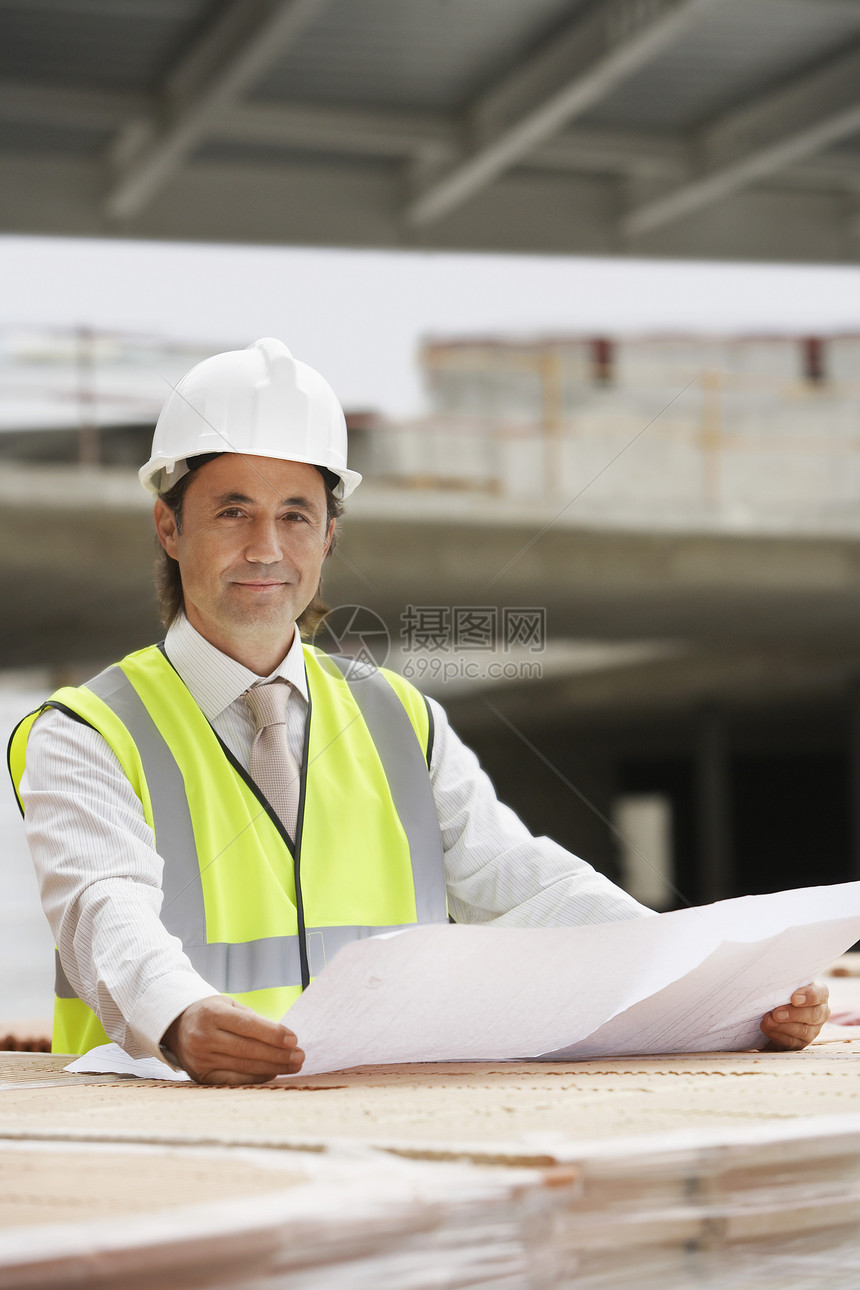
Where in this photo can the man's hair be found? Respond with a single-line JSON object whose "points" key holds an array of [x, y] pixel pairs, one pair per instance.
{"points": [[168, 581]]}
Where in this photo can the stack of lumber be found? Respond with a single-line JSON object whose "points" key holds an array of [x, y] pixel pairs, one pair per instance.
{"points": [[740, 1170]]}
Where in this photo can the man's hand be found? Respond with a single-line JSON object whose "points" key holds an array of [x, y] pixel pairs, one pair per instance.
{"points": [[796, 1024], [219, 1041]]}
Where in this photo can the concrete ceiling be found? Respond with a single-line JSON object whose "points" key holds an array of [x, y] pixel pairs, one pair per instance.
{"points": [[704, 128]]}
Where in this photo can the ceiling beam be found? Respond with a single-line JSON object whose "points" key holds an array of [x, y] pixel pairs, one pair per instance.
{"points": [[299, 202], [430, 137], [362, 132], [610, 152], [353, 129], [370, 133], [830, 172], [73, 107], [574, 71], [234, 53], [278, 122], [769, 136]]}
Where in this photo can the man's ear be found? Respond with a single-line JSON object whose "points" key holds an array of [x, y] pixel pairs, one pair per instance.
{"points": [[329, 539], [165, 527]]}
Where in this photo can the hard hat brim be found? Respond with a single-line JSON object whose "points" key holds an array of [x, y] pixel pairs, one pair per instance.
{"points": [[160, 474]]}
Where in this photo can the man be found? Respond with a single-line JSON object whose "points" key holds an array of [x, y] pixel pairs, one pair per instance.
{"points": [[212, 817]]}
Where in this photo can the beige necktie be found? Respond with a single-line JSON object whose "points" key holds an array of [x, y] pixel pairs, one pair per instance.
{"points": [[274, 769]]}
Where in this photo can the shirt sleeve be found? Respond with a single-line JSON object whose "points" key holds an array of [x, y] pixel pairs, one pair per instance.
{"points": [[100, 880], [496, 871]]}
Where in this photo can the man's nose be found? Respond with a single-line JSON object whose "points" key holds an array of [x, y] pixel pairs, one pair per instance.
{"points": [[264, 543]]}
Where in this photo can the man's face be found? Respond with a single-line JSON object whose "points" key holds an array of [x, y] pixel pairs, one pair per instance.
{"points": [[253, 539]]}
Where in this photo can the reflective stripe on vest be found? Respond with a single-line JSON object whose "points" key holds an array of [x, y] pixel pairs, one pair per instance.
{"points": [[268, 962], [257, 965], [406, 771]]}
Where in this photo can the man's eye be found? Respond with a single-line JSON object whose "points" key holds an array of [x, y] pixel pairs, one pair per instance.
{"points": [[231, 513]]}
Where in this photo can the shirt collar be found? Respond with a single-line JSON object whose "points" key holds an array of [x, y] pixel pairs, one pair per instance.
{"points": [[214, 679]]}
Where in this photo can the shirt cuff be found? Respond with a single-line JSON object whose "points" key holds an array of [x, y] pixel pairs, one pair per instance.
{"points": [[159, 1006]]}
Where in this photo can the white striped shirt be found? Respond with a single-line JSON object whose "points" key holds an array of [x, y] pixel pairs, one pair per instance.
{"points": [[100, 875]]}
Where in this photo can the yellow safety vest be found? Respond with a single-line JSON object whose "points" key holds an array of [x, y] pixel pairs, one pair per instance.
{"points": [[259, 914]]}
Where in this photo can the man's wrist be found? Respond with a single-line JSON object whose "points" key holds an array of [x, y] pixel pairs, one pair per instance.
{"points": [[163, 1003], [169, 1056], [170, 1043]]}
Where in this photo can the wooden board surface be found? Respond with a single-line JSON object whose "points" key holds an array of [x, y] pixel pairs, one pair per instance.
{"points": [[479, 1109]]}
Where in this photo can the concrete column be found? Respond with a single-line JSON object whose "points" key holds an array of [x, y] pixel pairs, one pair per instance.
{"points": [[713, 804]]}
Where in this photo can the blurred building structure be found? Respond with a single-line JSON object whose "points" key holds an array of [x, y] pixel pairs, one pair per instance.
{"points": [[85, 395], [688, 128], [754, 431]]}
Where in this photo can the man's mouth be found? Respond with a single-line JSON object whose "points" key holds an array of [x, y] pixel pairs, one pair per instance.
{"points": [[261, 582]]}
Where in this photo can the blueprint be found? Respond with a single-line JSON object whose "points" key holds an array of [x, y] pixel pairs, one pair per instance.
{"points": [[693, 980]]}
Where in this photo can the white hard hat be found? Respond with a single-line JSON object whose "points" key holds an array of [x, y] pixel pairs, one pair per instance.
{"points": [[258, 401]]}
